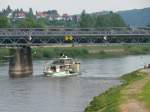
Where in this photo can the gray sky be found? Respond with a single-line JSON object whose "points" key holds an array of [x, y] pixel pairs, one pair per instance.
{"points": [[76, 6]]}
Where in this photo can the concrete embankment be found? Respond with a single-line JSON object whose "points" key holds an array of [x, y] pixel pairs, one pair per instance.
{"points": [[132, 96]]}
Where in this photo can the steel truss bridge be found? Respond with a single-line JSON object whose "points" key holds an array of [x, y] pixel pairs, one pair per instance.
{"points": [[46, 36]]}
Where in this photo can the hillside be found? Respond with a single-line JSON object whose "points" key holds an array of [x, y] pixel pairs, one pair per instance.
{"points": [[136, 17]]}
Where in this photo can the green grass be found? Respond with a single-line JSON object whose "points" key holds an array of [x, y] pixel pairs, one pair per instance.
{"points": [[145, 94], [137, 49], [110, 100], [133, 76], [107, 51], [91, 51], [107, 102], [53, 52], [3, 52]]}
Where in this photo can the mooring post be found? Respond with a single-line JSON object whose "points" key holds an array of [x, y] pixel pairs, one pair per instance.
{"points": [[20, 64]]}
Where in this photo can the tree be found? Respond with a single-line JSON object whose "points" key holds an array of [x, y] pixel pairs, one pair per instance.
{"points": [[31, 23], [8, 9], [86, 20], [40, 23], [100, 20], [30, 13], [4, 22], [117, 20], [109, 20], [28, 23], [52, 12]]}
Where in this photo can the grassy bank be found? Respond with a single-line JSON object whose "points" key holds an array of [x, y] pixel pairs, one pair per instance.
{"points": [[52, 52], [103, 51], [110, 100], [145, 94], [3, 52], [91, 51]]}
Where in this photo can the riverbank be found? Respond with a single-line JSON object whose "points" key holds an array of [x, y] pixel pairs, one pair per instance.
{"points": [[97, 51], [132, 96], [101, 51], [3, 52]]}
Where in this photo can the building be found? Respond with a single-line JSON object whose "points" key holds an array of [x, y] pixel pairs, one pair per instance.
{"points": [[66, 17], [41, 15], [20, 15]]}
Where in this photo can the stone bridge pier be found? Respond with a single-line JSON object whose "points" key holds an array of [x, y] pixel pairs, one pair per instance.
{"points": [[20, 64]]}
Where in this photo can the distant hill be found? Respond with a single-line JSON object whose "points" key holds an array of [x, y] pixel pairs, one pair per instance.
{"points": [[136, 17]]}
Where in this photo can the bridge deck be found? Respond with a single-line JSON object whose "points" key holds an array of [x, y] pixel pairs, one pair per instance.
{"points": [[43, 36]]}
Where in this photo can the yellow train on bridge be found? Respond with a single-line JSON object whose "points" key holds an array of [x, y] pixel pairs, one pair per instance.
{"points": [[68, 38]]}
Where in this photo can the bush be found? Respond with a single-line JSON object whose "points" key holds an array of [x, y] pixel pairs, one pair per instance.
{"points": [[55, 52]]}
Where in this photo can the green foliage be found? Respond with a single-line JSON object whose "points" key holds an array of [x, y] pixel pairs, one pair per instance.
{"points": [[107, 20], [27, 23], [117, 20], [40, 23], [65, 23], [76, 52], [40, 53], [37, 53], [3, 52], [4, 22], [129, 78], [145, 94], [30, 13], [91, 51], [52, 12], [107, 102], [137, 49], [86, 20], [31, 23]]}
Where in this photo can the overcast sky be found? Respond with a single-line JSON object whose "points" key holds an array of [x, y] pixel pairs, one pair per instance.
{"points": [[76, 6]]}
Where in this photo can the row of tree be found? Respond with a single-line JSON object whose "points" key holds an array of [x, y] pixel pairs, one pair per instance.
{"points": [[34, 23], [4, 22], [25, 23], [86, 20], [107, 20]]}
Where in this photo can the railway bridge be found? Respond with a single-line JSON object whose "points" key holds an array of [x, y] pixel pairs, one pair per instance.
{"points": [[21, 39]]}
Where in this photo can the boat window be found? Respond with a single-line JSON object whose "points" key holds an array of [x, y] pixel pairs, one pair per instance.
{"points": [[61, 61], [58, 62], [68, 61]]}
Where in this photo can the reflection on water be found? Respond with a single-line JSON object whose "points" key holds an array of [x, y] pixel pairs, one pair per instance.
{"points": [[72, 94]]}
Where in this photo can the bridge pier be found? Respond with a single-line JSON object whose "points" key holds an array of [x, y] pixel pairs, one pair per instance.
{"points": [[20, 64]]}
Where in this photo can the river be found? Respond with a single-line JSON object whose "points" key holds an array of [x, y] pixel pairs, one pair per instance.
{"points": [[71, 94]]}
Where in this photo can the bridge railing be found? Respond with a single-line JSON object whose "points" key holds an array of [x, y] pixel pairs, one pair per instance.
{"points": [[73, 32]]}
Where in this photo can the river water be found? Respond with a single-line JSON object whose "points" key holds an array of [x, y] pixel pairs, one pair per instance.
{"points": [[71, 94]]}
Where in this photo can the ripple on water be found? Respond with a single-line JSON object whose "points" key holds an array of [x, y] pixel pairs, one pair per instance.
{"points": [[72, 94]]}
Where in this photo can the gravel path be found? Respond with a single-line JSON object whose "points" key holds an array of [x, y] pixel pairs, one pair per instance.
{"points": [[131, 104]]}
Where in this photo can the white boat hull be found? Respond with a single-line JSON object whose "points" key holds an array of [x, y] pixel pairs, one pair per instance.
{"points": [[60, 74]]}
